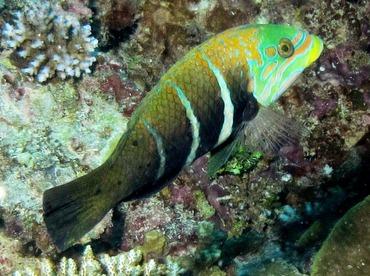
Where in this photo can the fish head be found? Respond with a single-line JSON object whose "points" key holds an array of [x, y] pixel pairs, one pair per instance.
{"points": [[282, 53]]}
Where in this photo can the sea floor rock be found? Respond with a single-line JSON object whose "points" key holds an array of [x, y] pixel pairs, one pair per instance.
{"points": [[346, 251]]}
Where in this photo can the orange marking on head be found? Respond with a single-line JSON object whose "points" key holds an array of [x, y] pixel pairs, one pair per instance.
{"points": [[268, 69], [297, 38], [270, 51], [298, 51], [268, 88], [250, 87]]}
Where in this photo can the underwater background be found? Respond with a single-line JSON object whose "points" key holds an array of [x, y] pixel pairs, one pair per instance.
{"points": [[303, 211]]}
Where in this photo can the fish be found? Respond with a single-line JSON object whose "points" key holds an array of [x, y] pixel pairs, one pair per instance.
{"points": [[200, 105]]}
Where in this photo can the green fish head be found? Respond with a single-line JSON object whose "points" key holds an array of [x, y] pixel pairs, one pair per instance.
{"points": [[282, 52]]}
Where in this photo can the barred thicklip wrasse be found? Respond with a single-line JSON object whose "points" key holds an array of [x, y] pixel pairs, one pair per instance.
{"points": [[199, 105]]}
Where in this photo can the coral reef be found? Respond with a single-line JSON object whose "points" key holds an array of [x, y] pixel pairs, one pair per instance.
{"points": [[128, 263], [50, 42], [58, 138], [281, 207], [178, 223]]}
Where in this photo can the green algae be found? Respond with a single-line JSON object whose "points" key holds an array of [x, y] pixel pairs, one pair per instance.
{"points": [[155, 244], [203, 206], [205, 229], [237, 228], [6, 63], [312, 234], [67, 99], [241, 161]]}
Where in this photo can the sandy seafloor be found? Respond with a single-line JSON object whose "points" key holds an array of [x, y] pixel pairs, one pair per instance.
{"points": [[303, 211]]}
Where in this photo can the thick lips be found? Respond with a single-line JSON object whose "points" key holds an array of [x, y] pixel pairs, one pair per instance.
{"points": [[317, 47]]}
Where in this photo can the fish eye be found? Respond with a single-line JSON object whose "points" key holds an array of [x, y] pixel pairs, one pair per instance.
{"points": [[285, 48]]}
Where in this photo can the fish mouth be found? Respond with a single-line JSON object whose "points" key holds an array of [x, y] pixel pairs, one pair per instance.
{"points": [[285, 85], [317, 48], [308, 49]]}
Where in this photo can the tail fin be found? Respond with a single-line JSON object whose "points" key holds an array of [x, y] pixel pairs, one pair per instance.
{"points": [[72, 209]]}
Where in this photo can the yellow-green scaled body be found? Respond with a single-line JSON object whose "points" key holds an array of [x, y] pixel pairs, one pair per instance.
{"points": [[199, 105]]}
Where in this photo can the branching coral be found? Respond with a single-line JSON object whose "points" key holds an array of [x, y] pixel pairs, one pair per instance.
{"points": [[125, 263], [51, 43]]}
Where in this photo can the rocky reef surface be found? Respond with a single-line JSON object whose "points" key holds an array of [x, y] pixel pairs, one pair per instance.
{"points": [[262, 215]]}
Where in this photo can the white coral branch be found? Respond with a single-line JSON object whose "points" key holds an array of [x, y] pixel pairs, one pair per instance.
{"points": [[51, 44]]}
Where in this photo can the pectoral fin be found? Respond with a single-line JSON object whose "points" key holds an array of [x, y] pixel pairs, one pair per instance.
{"points": [[270, 130], [220, 155]]}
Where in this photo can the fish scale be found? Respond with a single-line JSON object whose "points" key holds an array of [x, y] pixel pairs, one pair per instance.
{"points": [[205, 105], [198, 106], [167, 109]]}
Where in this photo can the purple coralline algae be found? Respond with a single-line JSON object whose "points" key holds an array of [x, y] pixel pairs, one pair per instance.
{"points": [[282, 208]]}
